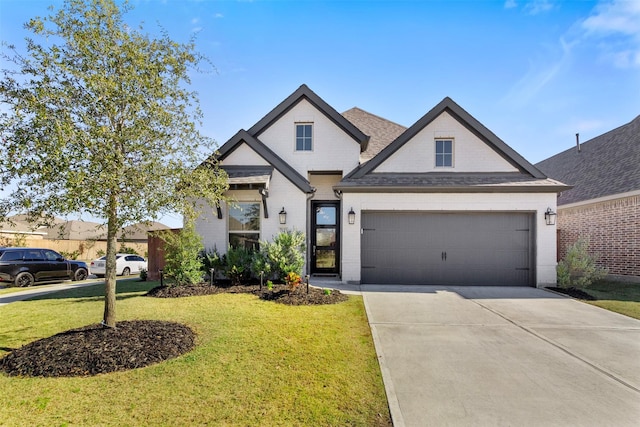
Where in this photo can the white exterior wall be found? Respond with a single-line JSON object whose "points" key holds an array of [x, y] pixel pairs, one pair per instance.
{"points": [[244, 155], [545, 241], [324, 186], [333, 150], [470, 154], [282, 193]]}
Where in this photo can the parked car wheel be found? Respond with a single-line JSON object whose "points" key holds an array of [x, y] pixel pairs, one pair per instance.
{"points": [[24, 280], [126, 271], [80, 274]]}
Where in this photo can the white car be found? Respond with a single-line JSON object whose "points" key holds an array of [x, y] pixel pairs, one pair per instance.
{"points": [[126, 264]]}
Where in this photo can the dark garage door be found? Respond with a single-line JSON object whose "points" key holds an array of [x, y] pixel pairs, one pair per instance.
{"points": [[486, 249]]}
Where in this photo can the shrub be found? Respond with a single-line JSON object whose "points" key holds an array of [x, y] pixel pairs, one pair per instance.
{"points": [[144, 274], [284, 254], [293, 280], [579, 268], [70, 255], [127, 250], [211, 259], [181, 250], [100, 253], [237, 264]]}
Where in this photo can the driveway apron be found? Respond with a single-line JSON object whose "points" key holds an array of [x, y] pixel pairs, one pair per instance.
{"points": [[495, 356]]}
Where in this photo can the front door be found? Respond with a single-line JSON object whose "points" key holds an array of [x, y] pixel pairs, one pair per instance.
{"points": [[325, 237]]}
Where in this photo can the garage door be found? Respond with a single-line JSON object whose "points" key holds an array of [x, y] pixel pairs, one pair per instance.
{"points": [[485, 249]]}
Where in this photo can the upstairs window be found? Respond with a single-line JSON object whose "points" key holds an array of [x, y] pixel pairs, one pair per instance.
{"points": [[304, 140], [444, 153]]}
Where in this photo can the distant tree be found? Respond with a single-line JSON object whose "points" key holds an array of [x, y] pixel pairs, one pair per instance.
{"points": [[97, 119]]}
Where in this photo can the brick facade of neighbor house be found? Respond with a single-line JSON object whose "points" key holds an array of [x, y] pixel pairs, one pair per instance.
{"points": [[613, 230], [604, 203]]}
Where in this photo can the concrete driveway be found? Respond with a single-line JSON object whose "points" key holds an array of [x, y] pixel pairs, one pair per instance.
{"points": [[493, 356]]}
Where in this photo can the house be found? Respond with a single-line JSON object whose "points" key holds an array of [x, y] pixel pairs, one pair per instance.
{"points": [[444, 201], [604, 203]]}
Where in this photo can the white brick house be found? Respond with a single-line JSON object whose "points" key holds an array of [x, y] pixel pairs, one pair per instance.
{"points": [[444, 201]]}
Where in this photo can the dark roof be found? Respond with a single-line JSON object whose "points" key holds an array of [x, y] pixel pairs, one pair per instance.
{"points": [[303, 92], [265, 152], [248, 174], [432, 182], [467, 120], [607, 164], [381, 131]]}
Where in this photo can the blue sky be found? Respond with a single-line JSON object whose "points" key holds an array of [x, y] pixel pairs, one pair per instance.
{"points": [[534, 72]]}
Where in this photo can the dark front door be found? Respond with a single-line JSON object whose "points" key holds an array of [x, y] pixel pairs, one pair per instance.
{"points": [[325, 237]]}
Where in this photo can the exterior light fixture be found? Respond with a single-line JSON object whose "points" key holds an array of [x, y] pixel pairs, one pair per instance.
{"points": [[550, 217], [283, 216], [352, 217]]}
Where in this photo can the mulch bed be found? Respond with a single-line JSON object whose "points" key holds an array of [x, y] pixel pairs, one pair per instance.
{"points": [[97, 349], [574, 293], [279, 293]]}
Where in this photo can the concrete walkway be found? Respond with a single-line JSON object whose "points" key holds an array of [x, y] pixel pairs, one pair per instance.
{"points": [[493, 356], [38, 290]]}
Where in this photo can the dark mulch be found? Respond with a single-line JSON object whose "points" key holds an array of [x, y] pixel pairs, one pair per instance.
{"points": [[574, 293], [279, 293], [96, 349]]}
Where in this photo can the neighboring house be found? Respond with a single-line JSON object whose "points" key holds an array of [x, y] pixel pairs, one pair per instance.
{"points": [[444, 201], [604, 203], [75, 230]]}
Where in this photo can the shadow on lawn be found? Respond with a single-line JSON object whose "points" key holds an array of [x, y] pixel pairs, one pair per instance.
{"points": [[96, 292]]}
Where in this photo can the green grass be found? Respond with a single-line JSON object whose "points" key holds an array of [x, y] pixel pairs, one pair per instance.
{"points": [[256, 363], [623, 298]]}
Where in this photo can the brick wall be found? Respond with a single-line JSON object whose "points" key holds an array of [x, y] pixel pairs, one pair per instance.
{"points": [[613, 230]]}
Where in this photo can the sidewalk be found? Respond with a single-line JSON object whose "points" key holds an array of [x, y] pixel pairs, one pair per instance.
{"points": [[45, 289]]}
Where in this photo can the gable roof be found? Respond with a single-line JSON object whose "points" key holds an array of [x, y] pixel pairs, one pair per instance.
{"points": [[605, 165], [303, 92], [380, 130], [467, 120], [266, 153]]}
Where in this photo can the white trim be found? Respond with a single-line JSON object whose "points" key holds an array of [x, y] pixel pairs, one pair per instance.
{"points": [[600, 199], [28, 233]]}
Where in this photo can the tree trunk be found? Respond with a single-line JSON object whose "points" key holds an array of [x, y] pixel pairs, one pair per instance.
{"points": [[109, 318]]}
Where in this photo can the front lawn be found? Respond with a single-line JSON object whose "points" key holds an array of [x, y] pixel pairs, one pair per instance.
{"points": [[255, 363], [620, 297]]}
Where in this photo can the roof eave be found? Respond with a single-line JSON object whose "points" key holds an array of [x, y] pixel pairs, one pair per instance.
{"points": [[303, 92]]}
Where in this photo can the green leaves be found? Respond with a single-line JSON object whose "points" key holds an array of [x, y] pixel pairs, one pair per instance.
{"points": [[99, 120]]}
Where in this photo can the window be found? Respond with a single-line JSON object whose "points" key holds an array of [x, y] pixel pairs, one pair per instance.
{"points": [[444, 153], [52, 256], [244, 225], [12, 256], [304, 137]]}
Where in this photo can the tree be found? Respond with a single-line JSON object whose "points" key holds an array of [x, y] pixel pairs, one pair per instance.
{"points": [[98, 119]]}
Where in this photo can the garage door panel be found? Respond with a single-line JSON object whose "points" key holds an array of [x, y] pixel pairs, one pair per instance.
{"points": [[447, 248]]}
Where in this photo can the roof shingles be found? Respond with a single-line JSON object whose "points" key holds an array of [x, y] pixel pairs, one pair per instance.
{"points": [[605, 165]]}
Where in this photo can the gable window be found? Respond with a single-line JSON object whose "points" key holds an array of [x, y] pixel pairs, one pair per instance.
{"points": [[244, 225], [444, 153], [304, 140]]}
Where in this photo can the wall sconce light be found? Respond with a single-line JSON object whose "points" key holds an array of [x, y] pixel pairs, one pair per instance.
{"points": [[352, 217], [550, 217], [283, 216]]}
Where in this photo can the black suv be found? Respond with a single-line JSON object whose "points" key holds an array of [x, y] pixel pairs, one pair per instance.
{"points": [[24, 266]]}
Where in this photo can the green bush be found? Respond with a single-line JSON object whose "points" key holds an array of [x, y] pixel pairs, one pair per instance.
{"points": [[127, 250], [181, 250], [579, 268], [285, 254], [237, 264], [211, 259], [70, 255]]}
